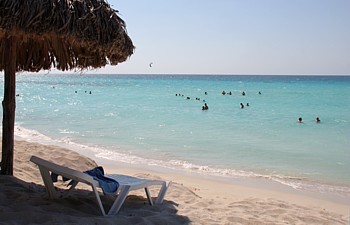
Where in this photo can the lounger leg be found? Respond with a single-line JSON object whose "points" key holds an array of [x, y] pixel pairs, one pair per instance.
{"points": [[149, 196], [73, 184], [119, 201], [72, 187], [162, 192], [48, 183], [99, 202]]}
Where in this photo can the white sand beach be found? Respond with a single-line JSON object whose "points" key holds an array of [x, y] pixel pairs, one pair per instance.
{"points": [[190, 199]]}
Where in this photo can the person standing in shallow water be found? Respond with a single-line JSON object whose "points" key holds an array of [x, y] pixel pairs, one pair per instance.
{"points": [[205, 107]]}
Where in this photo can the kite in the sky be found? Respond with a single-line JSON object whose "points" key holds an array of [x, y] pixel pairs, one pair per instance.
{"points": [[151, 64]]}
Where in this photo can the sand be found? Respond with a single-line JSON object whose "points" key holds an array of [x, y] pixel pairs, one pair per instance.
{"points": [[191, 199]]}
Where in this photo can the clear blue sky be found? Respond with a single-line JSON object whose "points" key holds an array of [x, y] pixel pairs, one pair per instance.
{"points": [[236, 37]]}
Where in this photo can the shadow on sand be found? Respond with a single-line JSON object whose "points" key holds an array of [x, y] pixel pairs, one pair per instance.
{"points": [[27, 203]]}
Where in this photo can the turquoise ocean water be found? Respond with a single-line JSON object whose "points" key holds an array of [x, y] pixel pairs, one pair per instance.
{"points": [[144, 119]]}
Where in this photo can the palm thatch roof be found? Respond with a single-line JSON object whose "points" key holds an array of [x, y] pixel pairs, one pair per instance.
{"points": [[65, 34]]}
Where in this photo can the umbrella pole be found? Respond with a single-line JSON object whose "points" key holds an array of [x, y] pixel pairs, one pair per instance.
{"points": [[9, 107]]}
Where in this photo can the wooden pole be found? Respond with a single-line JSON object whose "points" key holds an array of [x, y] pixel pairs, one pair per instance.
{"points": [[9, 107]]}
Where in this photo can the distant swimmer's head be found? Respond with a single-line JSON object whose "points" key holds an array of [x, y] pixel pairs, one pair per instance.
{"points": [[318, 120], [300, 120]]}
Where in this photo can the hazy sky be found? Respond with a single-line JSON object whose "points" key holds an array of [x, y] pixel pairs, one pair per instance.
{"points": [[236, 37]]}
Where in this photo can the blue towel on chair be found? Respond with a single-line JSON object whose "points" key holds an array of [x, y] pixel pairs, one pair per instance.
{"points": [[108, 185]]}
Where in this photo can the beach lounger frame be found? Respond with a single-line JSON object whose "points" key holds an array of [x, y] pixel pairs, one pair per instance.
{"points": [[126, 184]]}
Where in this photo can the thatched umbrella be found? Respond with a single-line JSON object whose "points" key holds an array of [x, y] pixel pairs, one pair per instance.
{"points": [[66, 34]]}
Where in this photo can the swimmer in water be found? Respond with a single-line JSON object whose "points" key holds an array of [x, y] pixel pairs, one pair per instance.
{"points": [[205, 107], [318, 120]]}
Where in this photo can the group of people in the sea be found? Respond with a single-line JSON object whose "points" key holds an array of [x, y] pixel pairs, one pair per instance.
{"points": [[188, 98], [242, 105], [230, 93], [300, 120], [243, 94], [85, 92], [205, 106]]}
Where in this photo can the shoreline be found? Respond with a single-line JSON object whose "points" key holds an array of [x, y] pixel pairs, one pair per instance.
{"points": [[190, 199], [258, 182], [310, 187], [261, 186]]}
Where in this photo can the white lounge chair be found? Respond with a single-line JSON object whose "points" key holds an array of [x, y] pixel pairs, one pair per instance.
{"points": [[126, 184]]}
